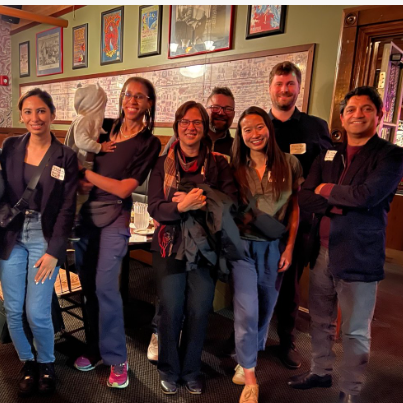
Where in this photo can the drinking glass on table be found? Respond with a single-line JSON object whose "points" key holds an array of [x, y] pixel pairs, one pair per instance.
{"points": [[141, 216]]}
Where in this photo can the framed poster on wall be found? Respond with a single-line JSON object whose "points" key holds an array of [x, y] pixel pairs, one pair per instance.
{"points": [[194, 30], [80, 46], [112, 36], [49, 52], [264, 21], [24, 59], [150, 20]]}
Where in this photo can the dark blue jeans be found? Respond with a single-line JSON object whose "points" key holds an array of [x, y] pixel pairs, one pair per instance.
{"points": [[99, 255], [182, 293], [256, 286]]}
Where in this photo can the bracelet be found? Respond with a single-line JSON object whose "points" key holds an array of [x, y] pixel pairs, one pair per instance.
{"points": [[81, 173]]}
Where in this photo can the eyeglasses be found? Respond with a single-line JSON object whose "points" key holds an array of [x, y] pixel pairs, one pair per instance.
{"points": [[217, 108], [137, 97], [186, 123]]}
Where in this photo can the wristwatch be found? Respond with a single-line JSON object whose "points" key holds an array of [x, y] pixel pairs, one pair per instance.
{"points": [[81, 173]]}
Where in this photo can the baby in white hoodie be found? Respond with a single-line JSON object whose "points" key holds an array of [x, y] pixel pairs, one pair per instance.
{"points": [[84, 132]]}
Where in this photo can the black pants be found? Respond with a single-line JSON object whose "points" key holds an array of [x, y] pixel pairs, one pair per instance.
{"points": [[182, 293], [288, 300]]}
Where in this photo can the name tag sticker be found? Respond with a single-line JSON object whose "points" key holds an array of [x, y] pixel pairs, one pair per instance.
{"points": [[57, 173], [298, 148], [330, 155]]}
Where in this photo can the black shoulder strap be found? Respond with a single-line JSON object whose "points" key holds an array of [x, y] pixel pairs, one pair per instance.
{"points": [[23, 203]]}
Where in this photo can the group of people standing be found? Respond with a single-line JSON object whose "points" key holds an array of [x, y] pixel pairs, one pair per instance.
{"points": [[214, 219]]}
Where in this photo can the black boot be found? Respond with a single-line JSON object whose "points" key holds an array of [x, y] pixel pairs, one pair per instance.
{"points": [[29, 379], [47, 378]]}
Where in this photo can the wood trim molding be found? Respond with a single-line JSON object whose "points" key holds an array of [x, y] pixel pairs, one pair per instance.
{"points": [[360, 25], [29, 25], [6, 132]]}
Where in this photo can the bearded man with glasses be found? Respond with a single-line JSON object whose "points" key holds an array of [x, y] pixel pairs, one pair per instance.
{"points": [[220, 107]]}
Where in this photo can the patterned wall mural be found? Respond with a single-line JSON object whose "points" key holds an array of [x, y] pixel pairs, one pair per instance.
{"points": [[5, 70]]}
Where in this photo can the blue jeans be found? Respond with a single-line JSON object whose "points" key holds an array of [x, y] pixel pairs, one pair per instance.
{"points": [[99, 255], [256, 286], [182, 294], [23, 296], [357, 303]]}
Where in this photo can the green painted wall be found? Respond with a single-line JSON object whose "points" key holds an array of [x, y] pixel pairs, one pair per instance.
{"points": [[304, 24]]}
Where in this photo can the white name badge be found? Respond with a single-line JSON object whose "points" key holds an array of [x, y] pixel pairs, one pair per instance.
{"points": [[298, 148], [57, 173], [330, 155]]}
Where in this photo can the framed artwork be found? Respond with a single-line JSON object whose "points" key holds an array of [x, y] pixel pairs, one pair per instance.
{"points": [[80, 46], [112, 36], [49, 52], [194, 30], [24, 59], [264, 21], [150, 21]]}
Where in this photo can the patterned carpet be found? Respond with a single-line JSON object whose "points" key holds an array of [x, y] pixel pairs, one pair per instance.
{"points": [[384, 376]]}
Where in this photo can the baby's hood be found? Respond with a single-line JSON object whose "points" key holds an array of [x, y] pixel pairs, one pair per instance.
{"points": [[90, 100]]}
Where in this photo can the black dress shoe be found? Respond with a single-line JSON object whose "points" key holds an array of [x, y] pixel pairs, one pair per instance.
{"points": [[47, 378], [169, 388], [347, 398], [29, 379], [194, 387], [290, 357], [309, 380]]}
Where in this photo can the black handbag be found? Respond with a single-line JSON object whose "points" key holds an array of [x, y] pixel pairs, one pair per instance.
{"points": [[102, 213], [8, 213]]}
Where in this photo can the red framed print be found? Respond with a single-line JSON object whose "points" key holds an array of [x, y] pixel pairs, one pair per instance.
{"points": [[195, 30], [49, 52], [265, 20], [112, 36]]}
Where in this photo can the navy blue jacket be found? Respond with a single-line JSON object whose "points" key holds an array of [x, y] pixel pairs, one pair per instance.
{"points": [[58, 199], [357, 237]]}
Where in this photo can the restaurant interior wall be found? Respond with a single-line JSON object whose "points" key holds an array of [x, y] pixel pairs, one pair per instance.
{"points": [[5, 70], [304, 24]]}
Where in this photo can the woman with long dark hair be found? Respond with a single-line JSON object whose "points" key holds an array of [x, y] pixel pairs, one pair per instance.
{"points": [[185, 278], [105, 225], [33, 245], [268, 182]]}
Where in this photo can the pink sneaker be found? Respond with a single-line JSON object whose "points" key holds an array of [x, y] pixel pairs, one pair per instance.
{"points": [[86, 363], [118, 377]]}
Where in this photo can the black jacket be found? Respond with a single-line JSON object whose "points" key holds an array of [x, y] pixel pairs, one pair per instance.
{"points": [[218, 176], [357, 237], [58, 199], [212, 233]]}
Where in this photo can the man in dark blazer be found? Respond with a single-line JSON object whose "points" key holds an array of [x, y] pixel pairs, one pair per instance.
{"points": [[349, 189]]}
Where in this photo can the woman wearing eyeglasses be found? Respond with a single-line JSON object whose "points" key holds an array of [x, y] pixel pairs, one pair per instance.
{"points": [[184, 290], [105, 225]]}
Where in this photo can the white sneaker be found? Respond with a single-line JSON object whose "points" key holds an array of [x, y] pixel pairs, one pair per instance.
{"points": [[239, 377], [152, 351]]}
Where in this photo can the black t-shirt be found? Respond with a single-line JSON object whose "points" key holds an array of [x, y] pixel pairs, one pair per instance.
{"points": [[309, 132], [132, 158], [223, 145], [35, 201]]}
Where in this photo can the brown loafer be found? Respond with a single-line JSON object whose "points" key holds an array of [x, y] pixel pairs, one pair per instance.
{"points": [[250, 394]]}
